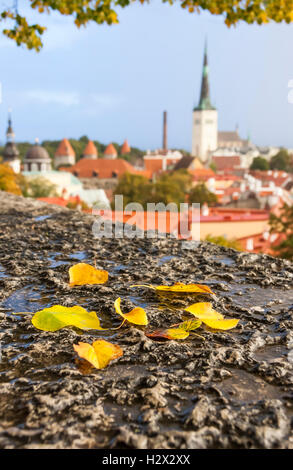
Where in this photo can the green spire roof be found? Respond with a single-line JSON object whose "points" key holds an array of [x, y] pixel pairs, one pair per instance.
{"points": [[205, 100]]}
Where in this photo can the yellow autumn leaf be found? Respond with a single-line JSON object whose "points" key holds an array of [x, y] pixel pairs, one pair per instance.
{"points": [[99, 354], [221, 324], [169, 333], [179, 287], [190, 325], [204, 310], [82, 273], [177, 333], [137, 316], [56, 317]]}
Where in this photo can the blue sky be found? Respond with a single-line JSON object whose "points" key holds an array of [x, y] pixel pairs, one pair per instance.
{"points": [[112, 83]]}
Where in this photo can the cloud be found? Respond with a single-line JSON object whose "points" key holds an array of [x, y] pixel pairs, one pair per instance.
{"points": [[63, 98], [107, 100]]}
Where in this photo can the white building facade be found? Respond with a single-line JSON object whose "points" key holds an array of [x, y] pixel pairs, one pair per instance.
{"points": [[204, 120]]}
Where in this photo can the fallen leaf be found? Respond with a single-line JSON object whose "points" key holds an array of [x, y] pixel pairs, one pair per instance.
{"points": [[179, 287], [56, 317], [180, 332], [169, 333], [82, 273], [137, 316], [221, 324], [204, 310], [189, 325], [210, 317], [99, 354]]}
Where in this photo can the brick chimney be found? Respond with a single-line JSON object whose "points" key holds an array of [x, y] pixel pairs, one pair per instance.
{"points": [[165, 145]]}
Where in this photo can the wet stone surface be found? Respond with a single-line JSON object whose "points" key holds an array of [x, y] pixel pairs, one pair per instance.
{"points": [[235, 390]]}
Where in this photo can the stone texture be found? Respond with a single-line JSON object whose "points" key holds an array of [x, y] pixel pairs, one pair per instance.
{"points": [[233, 390]]}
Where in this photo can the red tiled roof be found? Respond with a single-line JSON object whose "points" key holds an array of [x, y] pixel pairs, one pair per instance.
{"points": [[64, 149], [125, 148], [218, 214], [90, 149], [278, 177], [154, 165], [59, 201], [262, 244], [227, 177], [202, 174], [100, 168], [224, 163], [110, 150]]}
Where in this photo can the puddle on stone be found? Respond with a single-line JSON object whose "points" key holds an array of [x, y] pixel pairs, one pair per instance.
{"points": [[2, 272], [42, 217], [58, 259], [226, 260], [54, 260], [78, 255], [28, 299], [270, 353], [244, 387], [165, 259]]}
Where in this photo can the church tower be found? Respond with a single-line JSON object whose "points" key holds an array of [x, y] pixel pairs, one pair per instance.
{"points": [[205, 119], [11, 153]]}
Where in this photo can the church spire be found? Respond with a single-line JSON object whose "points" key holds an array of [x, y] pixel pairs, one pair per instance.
{"points": [[205, 100], [9, 133]]}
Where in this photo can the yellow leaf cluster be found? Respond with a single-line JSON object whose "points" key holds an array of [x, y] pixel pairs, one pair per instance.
{"points": [[213, 319], [102, 352]]}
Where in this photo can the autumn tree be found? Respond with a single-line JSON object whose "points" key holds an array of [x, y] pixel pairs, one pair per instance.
{"points": [[260, 163], [200, 194], [281, 161], [223, 241], [106, 11], [8, 180], [283, 224], [133, 188], [39, 187], [171, 187]]}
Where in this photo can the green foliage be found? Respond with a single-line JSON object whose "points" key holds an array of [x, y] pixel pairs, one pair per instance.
{"points": [[39, 187], [213, 166], [105, 11], [78, 204], [283, 224], [260, 163], [281, 161], [8, 180], [170, 187], [134, 188], [222, 241], [200, 194]]}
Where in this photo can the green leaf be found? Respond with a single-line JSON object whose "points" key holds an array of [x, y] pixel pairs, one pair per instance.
{"points": [[57, 317], [190, 325]]}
